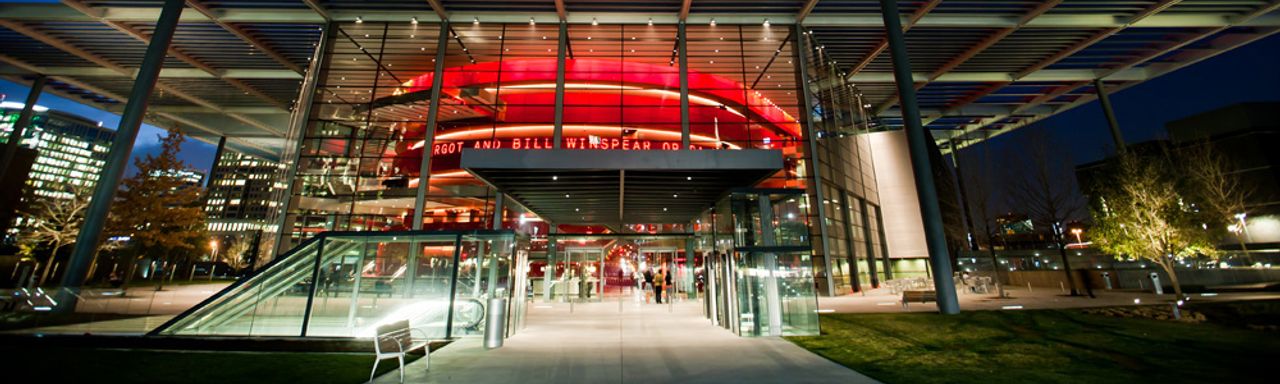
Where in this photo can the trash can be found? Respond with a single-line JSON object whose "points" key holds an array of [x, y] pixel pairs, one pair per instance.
{"points": [[495, 325]]}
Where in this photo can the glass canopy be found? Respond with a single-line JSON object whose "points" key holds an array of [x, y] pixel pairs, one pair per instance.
{"points": [[346, 284]]}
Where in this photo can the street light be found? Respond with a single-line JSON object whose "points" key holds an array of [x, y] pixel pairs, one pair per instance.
{"points": [[1077, 231], [213, 245]]}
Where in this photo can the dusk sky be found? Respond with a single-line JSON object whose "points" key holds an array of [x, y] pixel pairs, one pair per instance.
{"points": [[1249, 73]]}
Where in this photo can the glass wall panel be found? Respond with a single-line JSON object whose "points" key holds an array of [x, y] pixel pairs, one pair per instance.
{"points": [[366, 280], [484, 272], [271, 303]]}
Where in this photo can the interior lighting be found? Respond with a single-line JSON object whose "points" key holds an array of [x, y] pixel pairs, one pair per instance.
{"points": [[359, 20], [651, 21], [554, 178], [713, 21], [413, 20], [531, 22], [475, 20], [766, 22], [594, 22]]}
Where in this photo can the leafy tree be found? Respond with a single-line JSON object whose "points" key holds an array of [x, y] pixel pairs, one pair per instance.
{"points": [[159, 211], [54, 222], [1143, 213], [237, 253]]}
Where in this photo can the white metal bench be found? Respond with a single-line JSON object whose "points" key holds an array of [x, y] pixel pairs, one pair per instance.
{"points": [[394, 341]]}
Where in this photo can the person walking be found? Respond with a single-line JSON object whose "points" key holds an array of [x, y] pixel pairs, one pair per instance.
{"points": [[659, 283], [648, 284]]}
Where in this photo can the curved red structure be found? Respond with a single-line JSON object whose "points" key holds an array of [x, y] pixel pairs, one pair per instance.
{"points": [[609, 105]]}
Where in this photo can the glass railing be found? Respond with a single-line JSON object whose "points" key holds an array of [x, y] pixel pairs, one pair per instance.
{"points": [[346, 284]]}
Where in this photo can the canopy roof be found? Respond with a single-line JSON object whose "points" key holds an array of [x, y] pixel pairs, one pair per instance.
{"points": [[982, 67]]}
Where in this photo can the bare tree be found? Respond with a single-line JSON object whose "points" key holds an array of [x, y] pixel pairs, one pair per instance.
{"points": [[980, 198], [1042, 182], [54, 222], [1216, 186]]}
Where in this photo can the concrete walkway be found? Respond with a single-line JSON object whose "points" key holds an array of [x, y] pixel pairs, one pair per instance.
{"points": [[642, 343]]}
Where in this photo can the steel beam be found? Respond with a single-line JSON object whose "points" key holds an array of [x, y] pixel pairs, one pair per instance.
{"points": [[682, 54], [921, 166], [244, 35], [24, 120], [561, 50], [798, 50], [1151, 71], [176, 53], [1080, 45], [1110, 114], [433, 109], [95, 217], [91, 57], [974, 50], [884, 43], [315, 14]]}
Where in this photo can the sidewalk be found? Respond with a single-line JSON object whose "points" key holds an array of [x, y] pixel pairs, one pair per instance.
{"points": [[881, 301], [643, 344]]}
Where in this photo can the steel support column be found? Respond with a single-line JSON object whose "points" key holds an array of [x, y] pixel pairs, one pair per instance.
{"points": [[433, 109], [926, 190], [291, 155], [24, 121], [798, 49], [1110, 113], [118, 159], [561, 51], [683, 57]]}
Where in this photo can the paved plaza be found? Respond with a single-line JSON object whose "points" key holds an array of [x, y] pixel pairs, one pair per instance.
{"points": [[637, 343]]}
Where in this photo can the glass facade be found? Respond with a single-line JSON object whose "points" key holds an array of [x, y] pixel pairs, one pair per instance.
{"points": [[347, 284], [396, 104]]}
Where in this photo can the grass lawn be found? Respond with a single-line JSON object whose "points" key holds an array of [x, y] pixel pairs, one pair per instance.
{"points": [[1045, 346], [83, 365]]}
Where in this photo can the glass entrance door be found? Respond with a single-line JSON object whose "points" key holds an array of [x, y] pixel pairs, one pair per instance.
{"points": [[582, 279]]}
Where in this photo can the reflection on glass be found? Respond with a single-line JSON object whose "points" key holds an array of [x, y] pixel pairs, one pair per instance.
{"points": [[365, 280]]}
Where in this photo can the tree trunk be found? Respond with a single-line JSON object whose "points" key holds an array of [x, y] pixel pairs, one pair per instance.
{"points": [[1169, 266], [996, 270], [48, 265], [1066, 265]]}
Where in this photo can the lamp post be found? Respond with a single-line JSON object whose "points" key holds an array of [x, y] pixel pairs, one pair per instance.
{"points": [[213, 262], [1077, 231]]}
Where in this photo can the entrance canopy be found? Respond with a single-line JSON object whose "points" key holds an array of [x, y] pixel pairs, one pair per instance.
{"points": [[624, 187]]}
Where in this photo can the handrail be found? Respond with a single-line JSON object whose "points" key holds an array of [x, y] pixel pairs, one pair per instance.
{"points": [[241, 281], [290, 255]]}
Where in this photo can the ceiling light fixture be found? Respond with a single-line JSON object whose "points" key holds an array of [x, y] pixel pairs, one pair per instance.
{"points": [[531, 22], [713, 21], [413, 20], [359, 20], [594, 22], [766, 22]]}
